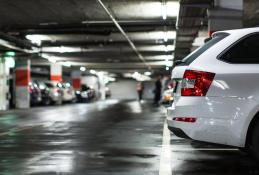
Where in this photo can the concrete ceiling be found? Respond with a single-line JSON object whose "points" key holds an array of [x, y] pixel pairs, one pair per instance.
{"points": [[80, 31]]}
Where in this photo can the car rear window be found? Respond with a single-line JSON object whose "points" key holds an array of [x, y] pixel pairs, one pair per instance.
{"points": [[195, 54], [49, 85]]}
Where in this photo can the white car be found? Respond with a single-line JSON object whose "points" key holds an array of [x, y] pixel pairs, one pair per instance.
{"points": [[56, 93], [68, 93], [216, 98]]}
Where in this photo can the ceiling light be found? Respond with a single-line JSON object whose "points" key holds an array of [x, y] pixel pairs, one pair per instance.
{"points": [[174, 8], [10, 54], [167, 68], [147, 73], [164, 10], [51, 59], [165, 36], [66, 64], [36, 39], [82, 69]]}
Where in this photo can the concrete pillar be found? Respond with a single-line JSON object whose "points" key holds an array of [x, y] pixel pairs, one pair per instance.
{"points": [[76, 80], [22, 79], [251, 16], [56, 72], [4, 88], [101, 85], [226, 15]]}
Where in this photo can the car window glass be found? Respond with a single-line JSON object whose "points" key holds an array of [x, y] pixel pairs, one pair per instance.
{"points": [[245, 51], [49, 85], [195, 54]]}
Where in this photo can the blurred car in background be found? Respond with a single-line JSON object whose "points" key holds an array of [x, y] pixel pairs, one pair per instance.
{"points": [[167, 97], [56, 92], [68, 93], [107, 92], [86, 94], [35, 94], [45, 93]]}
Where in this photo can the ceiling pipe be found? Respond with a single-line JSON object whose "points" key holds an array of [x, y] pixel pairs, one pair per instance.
{"points": [[17, 44], [132, 45]]}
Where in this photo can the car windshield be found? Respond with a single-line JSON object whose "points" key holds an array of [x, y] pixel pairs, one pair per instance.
{"points": [[195, 54]]}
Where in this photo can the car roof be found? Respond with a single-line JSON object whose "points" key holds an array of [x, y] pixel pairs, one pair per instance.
{"points": [[242, 31]]}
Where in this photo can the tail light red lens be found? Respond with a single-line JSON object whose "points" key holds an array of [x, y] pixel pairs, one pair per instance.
{"points": [[185, 119], [196, 83], [30, 89]]}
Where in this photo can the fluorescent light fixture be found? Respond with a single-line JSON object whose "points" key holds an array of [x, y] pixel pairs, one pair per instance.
{"points": [[168, 48], [164, 10], [92, 71], [147, 73], [165, 36], [174, 7], [51, 59], [66, 64], [140, 77], [10, 54], [36, 39], [82, 69]]}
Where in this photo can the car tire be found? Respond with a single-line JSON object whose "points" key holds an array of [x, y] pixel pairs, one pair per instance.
{"points": [[255, 142]]}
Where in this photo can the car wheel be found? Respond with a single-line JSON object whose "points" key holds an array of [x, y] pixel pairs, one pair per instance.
{"points": [[255, 141]]}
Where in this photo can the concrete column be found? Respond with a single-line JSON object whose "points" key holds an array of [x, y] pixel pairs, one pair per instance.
{"points": [[225, 16], [22, 79], [4, 88], [251, 16], [76, 80], [101, 85], [56, 72]]}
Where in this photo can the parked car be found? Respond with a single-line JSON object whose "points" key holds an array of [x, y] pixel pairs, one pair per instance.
{"points": [[68, 93], [35, 94], [45, 93], [55, 92], [167, 97], [216, 98], [86, 94]]}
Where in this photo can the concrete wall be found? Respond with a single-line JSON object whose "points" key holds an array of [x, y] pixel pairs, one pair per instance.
{"points": [[91, 81], [126, 89]]}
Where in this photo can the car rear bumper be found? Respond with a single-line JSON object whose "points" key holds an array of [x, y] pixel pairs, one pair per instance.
{"points": [[218, 119]]}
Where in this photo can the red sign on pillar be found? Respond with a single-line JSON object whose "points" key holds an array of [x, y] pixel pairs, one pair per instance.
{"points": [[22, 80]]}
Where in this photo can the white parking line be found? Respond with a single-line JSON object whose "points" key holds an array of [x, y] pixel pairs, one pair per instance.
{"points": [[165, 158]]}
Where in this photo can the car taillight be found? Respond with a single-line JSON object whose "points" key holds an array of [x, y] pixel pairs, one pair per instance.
{"points": [[185, 119], [196, 83], [30, 89]]}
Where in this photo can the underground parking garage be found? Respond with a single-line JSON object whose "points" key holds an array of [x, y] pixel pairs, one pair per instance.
{"points": [[129, 87]]}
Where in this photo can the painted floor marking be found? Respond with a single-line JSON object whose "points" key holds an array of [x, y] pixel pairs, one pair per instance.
{"points": [[18, 129], [165, 158]]}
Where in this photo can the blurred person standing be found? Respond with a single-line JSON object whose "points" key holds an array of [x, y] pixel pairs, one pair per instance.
{"points": [[140, 89], [157, 90]]}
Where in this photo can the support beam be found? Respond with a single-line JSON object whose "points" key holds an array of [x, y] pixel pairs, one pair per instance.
{"points": [[124, 34]]}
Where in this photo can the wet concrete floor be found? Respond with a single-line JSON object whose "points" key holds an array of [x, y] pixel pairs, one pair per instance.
{"points": [[107, 137]]}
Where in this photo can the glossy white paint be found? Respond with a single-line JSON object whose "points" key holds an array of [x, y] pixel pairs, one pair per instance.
{"points": [[224, 115]]}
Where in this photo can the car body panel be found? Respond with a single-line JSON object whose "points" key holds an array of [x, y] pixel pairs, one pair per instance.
{"points": [[224, 114]]}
